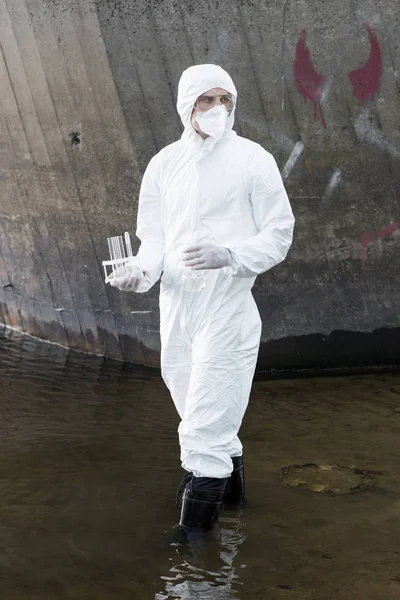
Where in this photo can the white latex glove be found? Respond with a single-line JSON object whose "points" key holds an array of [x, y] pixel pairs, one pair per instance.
{"points": [[126, 278], [206, 256]]}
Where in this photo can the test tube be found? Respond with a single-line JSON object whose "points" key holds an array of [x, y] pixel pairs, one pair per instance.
{"points": [[120, 249]]}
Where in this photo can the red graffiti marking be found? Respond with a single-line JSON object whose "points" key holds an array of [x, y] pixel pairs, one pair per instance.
{"points": [[308, 81], [366, 79], [367, 238]]}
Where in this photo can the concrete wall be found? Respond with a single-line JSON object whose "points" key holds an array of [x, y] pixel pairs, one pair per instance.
{"points": [[87, 96]]}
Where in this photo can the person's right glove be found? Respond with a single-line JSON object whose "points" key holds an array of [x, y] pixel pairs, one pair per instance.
{"points": [[126, 278]]}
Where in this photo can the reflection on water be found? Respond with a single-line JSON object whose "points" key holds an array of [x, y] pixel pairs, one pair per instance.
{"points": [[205, 566], [89, 467]]}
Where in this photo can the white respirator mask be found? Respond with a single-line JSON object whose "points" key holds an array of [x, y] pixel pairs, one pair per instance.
{"points": [[213, 121]]}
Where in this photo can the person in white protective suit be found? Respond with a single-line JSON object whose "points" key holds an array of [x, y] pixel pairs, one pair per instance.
{"points": [[213, 214]]}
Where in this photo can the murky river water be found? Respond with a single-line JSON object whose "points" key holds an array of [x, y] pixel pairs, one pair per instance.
{"points": [[89, 467]]}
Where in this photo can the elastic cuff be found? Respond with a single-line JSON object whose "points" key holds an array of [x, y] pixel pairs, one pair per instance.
{"points": [[234, 264]]}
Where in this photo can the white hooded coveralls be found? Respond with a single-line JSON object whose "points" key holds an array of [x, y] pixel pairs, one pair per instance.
{"points": [[227, 192]]}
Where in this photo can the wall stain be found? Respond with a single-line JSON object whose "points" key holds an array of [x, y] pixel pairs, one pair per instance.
{"points": [[309, 82], [366, 79], [371, 236]]}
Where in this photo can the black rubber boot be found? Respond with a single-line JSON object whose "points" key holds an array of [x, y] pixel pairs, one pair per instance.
{"points": [[201, 501], [234, 496]]}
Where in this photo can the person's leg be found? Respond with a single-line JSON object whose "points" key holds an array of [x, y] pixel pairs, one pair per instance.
{"points": [[224, 354], [223, 364], [201, 501], [234, 493], [176, 359], [236, 448], [175, 370]]}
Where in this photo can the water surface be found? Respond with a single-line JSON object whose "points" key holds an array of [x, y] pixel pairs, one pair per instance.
{"points": [[89, 467]]}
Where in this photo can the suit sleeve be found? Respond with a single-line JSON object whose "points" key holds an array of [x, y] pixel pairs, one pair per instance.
{"points": [[149, 230], [273, 218]]}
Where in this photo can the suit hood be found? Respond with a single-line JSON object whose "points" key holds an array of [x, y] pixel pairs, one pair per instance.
{"points": [[195, 81]]}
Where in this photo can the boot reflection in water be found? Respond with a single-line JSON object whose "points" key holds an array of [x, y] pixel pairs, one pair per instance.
{"points": [[207, 570]]}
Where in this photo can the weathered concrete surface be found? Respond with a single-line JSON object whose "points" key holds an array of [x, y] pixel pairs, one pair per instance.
{"points": [[87, 96]]}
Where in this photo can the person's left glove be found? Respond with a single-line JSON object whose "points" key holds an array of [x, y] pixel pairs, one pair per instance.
{"points": [[206, 256], [126, 278]]}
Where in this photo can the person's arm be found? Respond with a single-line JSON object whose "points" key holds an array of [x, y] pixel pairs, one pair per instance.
{"points": [[149, 230], [273, 218]]}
